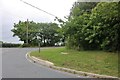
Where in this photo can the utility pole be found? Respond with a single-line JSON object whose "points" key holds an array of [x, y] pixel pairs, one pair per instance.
{"points": [[27, 32]]}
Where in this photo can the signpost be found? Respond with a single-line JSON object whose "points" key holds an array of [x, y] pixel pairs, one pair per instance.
{"points": [[38, 39], [39, 46]]}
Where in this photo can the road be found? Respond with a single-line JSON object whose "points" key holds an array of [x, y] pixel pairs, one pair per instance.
{"points": [[16, 65]]}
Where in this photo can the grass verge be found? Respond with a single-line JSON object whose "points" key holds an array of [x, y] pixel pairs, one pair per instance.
{"points": [[99, 62]]}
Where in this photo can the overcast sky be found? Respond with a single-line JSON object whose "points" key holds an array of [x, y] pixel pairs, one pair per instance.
{"points": [[15, 10]]}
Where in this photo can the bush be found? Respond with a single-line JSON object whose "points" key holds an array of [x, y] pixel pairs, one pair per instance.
{"points": [[10, 45]]}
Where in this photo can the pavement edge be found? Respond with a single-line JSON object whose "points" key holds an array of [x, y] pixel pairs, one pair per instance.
{"points": [[51, 65]]}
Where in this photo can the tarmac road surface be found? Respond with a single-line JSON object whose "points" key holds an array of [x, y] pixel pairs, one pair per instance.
{"points": [[16, 65]]}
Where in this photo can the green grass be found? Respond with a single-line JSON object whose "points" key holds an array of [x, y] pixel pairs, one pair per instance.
{"points": [[89, 61]]}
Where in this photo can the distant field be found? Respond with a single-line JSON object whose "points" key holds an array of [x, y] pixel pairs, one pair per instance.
{"points": [[89, 61]]}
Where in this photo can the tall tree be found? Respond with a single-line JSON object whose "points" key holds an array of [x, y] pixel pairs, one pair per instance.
{"points": [[74, 28], [47, 32], [105, 25], [93, 26]]}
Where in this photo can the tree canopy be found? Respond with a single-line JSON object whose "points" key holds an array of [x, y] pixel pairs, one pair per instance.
{"points": [[48, 33], [93, 26]]}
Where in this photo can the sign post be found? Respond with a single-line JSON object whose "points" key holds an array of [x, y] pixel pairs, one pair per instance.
{"points": [[38, 40], [39, 45]]}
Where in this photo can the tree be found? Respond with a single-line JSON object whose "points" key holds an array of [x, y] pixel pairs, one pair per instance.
{"points": [[74, 27], [105, 26], [48, 32], [80, 8], [93, 26]]}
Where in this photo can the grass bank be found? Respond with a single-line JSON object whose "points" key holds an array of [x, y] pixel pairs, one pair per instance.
{"points": [[89, 61]]}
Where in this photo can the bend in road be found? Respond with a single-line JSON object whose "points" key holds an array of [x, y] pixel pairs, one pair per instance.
{"points": [[15, 65]]}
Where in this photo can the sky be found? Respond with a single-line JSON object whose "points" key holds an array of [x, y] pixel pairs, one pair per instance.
{"points": [[15, 10]]}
